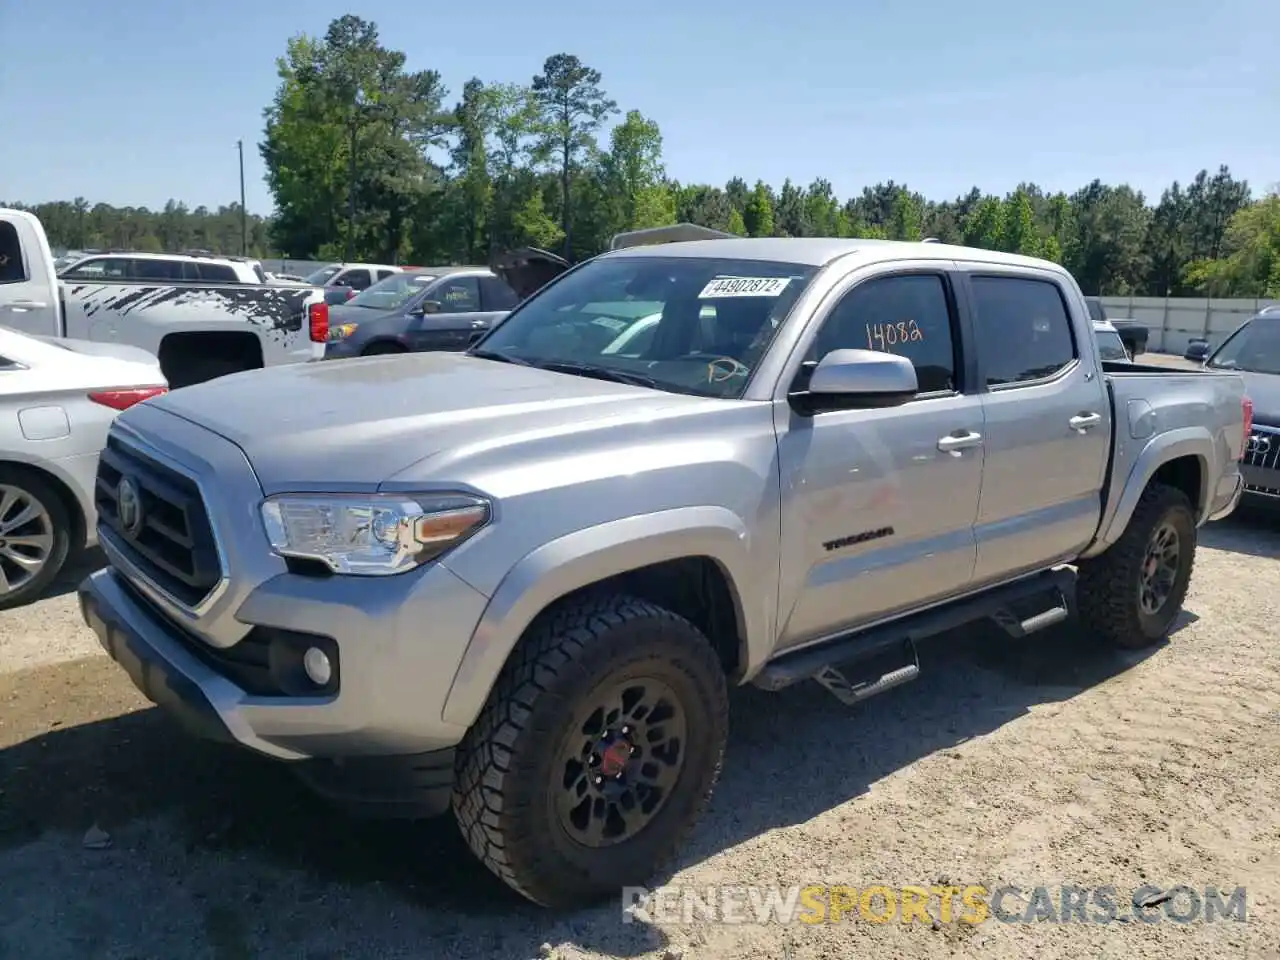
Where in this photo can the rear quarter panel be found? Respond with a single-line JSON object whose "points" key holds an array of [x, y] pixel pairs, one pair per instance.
{"points": [[143, 314], [1160, 415]]}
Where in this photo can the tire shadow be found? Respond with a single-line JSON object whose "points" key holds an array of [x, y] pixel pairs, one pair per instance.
{"points": [[122, 772]]}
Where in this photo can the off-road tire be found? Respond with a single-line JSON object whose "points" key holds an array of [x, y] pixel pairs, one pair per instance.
{"points": [[43, 491], [1107, 588], [505, 775]]}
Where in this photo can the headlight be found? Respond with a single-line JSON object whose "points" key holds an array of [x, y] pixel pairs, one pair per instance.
{"points": [[371, 535], [342, 330]]}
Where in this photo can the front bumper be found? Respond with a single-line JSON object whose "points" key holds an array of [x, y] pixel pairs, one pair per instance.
{"points": [[342, 756]]}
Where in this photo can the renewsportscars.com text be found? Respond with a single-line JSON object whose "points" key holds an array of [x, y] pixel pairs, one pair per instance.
{"points": [[944, 903]]}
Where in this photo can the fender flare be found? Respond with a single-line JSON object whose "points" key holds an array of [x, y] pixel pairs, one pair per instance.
{"points": [[587, 556], [1187, 441]]}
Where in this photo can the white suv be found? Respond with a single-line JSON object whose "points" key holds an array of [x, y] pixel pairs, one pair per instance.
{"points": [[162, 268]]}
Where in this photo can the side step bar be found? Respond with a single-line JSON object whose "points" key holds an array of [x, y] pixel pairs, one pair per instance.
{"points": [[860, 665]]}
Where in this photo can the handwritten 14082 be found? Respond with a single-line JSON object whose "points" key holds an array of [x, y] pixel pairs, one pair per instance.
{"points": [[883, 335]]}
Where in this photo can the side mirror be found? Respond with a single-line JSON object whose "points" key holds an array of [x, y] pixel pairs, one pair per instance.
{"points": [[1197, 351], [429, 306], [857, 379]]}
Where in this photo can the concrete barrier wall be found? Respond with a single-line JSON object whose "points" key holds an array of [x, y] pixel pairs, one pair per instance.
{"points": [[1173, 321]]}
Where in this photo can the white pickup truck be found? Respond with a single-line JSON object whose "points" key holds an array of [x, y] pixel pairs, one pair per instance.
{"points": [[199, 330]]}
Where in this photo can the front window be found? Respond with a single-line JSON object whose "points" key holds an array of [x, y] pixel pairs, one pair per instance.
{"points": [[681, 324], [1254, 348], [392, 292], [323, 275], [1111, 347]]}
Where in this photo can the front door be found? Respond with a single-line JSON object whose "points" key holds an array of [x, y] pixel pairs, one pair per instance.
{"points": [[878, 506]]}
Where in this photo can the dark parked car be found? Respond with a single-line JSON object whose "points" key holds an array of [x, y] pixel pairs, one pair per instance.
{"points": [[436, 308], [1253, 351]]}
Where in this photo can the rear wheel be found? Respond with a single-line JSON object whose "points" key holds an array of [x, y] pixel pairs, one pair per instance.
{"points": [[1133, 593], [35, 535], [596, 753]]}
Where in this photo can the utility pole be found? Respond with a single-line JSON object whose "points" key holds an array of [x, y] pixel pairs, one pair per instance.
{"points": [[351, 196], [244, 216]]}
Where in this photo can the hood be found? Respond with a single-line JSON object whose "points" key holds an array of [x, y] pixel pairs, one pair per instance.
{"points": [[528, 269], [1264, 390], [354, 424]]}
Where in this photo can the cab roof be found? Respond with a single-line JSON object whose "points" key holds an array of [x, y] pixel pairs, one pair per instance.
{"points": [[819, 251]]}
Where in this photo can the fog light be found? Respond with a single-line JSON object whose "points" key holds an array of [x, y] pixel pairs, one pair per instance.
{"points": [[316, 662]]}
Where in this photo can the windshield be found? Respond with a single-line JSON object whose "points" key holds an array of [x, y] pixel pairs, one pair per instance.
{"points": [[683, 324], [392, 292], [1254, 348], [321, 276], [1111, 347]]}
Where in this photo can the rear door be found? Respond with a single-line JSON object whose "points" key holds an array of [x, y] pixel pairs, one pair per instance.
{"points": [[1047, 420]]}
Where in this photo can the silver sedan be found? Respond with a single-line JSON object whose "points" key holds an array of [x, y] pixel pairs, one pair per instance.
{"points": [[57, 400]]}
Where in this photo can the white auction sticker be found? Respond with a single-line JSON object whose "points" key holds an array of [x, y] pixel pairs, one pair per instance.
{"points": [[744, 287]]}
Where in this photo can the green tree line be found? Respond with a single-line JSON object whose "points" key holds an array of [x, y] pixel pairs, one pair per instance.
{"points": [[367, 160]]}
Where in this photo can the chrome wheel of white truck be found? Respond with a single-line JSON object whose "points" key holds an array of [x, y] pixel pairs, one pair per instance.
{"points": [[596, 753]]}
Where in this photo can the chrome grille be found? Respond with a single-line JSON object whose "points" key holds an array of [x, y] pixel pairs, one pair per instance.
{"points": [[166, 531]]}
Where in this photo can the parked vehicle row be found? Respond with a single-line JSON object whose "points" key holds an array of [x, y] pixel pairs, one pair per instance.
{"points": [[436, 308], [198, 329], [516, 582]]}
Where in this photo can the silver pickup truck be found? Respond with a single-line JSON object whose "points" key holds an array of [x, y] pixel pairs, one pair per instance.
{"points": [[518, 582]]}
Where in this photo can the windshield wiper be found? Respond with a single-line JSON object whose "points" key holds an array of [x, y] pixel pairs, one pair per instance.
{"points": [[500, 357], [599, 373]]}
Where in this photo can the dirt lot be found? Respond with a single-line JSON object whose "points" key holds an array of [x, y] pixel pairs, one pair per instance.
{"points": [[1050, 762]]}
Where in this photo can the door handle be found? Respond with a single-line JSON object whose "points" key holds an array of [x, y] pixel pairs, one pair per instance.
{"points": [[1084, 421], [955, 442], [21, 306]]}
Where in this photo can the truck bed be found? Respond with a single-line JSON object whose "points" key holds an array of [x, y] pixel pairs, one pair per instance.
{"points": [[1160, 413]]}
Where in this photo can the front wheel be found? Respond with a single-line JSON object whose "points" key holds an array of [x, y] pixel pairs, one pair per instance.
{"points": [[1132, 594], [596, 752]]}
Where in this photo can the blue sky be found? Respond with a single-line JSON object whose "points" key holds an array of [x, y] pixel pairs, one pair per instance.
{"points": [[141, 100]]}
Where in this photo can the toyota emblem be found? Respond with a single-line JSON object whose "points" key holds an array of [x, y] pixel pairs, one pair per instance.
{"points": [[129, 506], [1258, 444]]}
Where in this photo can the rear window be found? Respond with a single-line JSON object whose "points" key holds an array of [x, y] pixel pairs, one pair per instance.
{"points": [[217, 272], [1023, 329]]}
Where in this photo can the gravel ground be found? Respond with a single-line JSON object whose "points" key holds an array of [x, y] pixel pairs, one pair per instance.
{"points": [[1049, 762]]}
